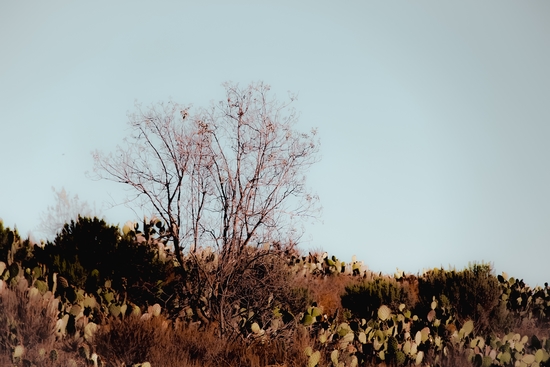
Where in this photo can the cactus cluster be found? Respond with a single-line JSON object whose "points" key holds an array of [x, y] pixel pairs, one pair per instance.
{"points": [[523, 302], [396, 337], [380, 325], [320, 264], [40, 305]]}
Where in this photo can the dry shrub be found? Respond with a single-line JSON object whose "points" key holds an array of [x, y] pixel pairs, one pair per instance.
{"points": [[130, 341], [28, 319], [326, 291], [163, 343], [531, 327]]}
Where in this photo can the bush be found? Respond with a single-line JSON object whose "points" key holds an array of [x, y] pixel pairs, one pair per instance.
{"points": [[13, 249], [88, 252], [28, 328], [236, 290], [26, 318], [164, 343], [364, 299], [7, 240], [472, 293]]}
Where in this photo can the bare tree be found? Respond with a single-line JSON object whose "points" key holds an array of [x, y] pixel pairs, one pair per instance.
{"points": [[66, 208], [154, 162], [253, 184], [231, 177]]}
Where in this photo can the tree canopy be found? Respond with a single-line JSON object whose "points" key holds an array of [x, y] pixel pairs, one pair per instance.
{"points": [[227, 176]]}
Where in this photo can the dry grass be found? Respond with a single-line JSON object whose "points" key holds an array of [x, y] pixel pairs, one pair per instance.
{"points": [[163, 343], [326, 291], [28, 320]]}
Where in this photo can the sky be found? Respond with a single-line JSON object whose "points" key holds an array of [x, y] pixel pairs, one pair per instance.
{"points": [[434, 117]]}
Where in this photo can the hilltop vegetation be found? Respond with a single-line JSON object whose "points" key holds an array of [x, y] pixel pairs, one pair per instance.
{"points": [[217, 278], [105, 296]]}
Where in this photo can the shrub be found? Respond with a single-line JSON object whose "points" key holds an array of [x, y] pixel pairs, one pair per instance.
{"points": [[472, 293], [14, 249], [364, 299], [236, 290], [7, 240], [28, 321], [26, 318], [324, 291], [88, 252], [164, 343]]}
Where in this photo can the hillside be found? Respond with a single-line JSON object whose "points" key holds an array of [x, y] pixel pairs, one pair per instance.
{"points": [[99, 295]]}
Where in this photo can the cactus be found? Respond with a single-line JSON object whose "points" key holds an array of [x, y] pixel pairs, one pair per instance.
{"points": [[255, 328], [392, 346], [384, 312], [486, 361], [419, 358], [84, 351], [155, 310], [334, 357], [89, 330], [314, 359], [505, 358], [18, 353], [13, 270], [307, 320], [114, 310], [54, 356], [467, 328], [528, 359], [61, 325], [400, 358], [136, 311], [36, 272], [315, 311], [41, 285]]}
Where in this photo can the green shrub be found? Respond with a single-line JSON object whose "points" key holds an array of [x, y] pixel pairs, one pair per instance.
{"points": [[364, 299], [89, 251], [7, 240], [472, 293]]}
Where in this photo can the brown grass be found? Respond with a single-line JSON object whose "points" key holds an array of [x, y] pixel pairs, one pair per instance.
{"points": [[28, 319], [326, 291], [163, 343]]}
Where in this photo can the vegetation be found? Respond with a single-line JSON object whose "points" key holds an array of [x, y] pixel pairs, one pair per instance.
{"points": [[216, 278], [229, 184], [320, 311]]}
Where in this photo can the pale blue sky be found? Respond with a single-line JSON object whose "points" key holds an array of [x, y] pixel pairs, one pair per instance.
{"points": [[434, 117]]}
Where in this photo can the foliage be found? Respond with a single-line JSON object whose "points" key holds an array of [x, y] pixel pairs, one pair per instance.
{"points": [[471, 293], [228, 179], [31, 325], [253, 288], [88, 252], [365, 298], [161, 342], [520, 303], [277, 309], [14, 249], [8, 239]]}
